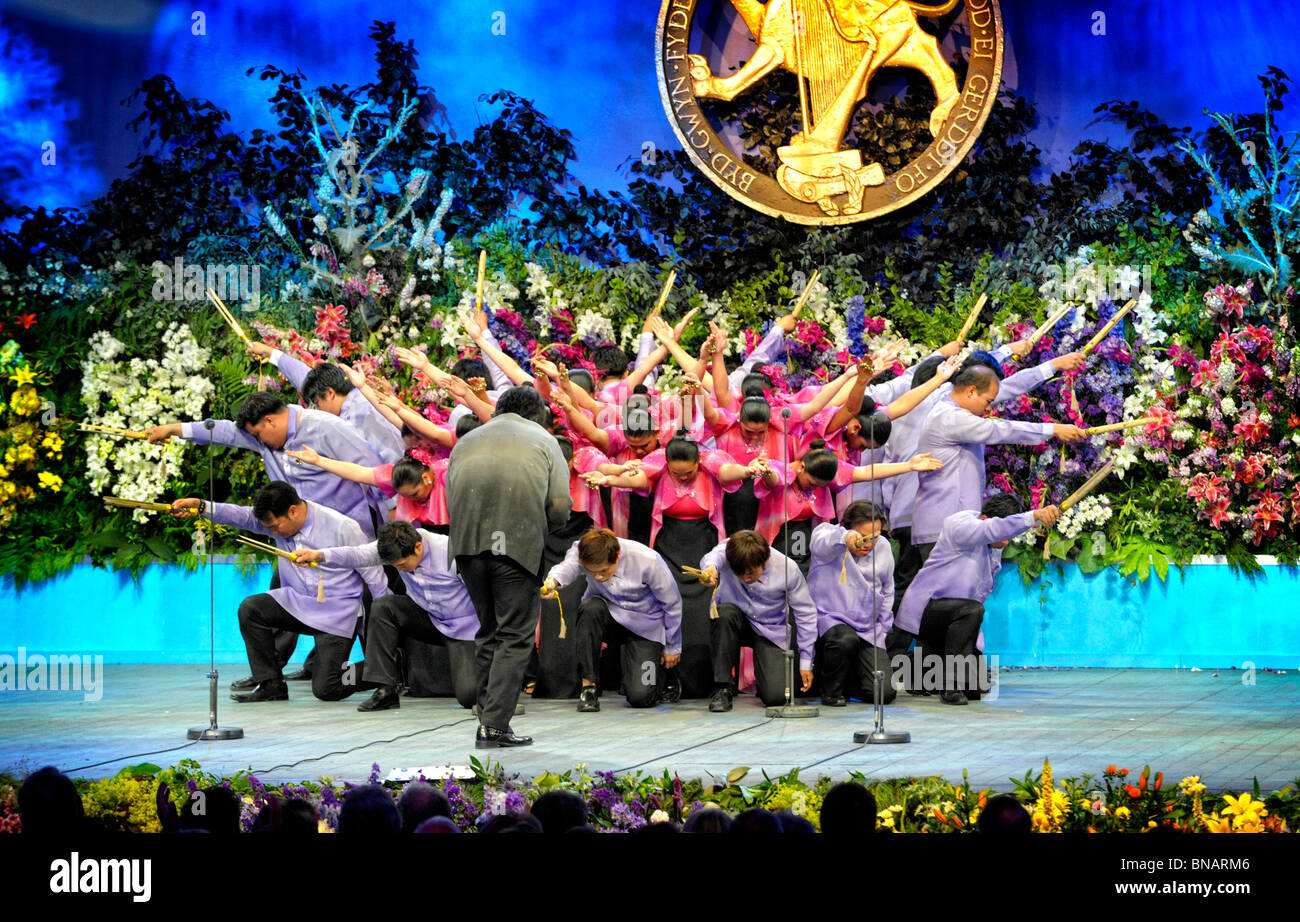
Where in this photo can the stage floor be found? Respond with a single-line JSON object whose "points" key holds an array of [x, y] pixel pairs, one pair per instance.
{"points": [[1178, 721]]}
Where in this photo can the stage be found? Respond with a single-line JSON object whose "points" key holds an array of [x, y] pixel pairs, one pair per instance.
{"points": [[1181, 722]]}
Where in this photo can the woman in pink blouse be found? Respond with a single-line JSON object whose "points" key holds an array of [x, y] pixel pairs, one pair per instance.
{"points": [[803, 493], [687, 486]]}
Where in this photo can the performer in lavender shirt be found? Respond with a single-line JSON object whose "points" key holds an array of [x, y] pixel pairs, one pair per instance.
{"points": [[331, 390], [898, 494], [944, 606], [324, 603], [852, 585], [955, 433], [264, 424], [752, 579], [267, 426], [436, 608], [631, 599]]}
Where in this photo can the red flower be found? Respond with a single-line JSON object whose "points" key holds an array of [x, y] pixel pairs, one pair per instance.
{"points": [[1206, 373], [1111, 770], [1160, 779], [1252, 469], [1207, 488], [1218, 513], [1142, 781], [1132, 791], [1293, 421], [1164, 422], [1250, 428], [26, 320]]}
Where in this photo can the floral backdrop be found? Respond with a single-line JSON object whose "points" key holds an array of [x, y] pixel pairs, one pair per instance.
{"points": [[365, 225]]}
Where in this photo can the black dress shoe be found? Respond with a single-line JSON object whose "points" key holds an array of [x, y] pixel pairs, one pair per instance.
{"points": [[834, 701], [243, 684], [953, 697], [491, 738], [270, 690], [384, 698], [302, 675], [672, 690], [588, 701], [721, 701], [918, 692]]}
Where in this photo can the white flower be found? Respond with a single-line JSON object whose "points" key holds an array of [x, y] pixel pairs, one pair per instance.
{"points": [[659, 816], [1228, 407]]}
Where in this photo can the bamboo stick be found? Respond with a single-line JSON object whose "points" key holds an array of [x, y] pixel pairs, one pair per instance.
{"points": [[229, 317], [270, 549], [136, 504], [807, 290], [109, 430], [1110, 325], [1089, 485], [663, 295], [482, 272], [1042, 331], [1115, 427], [974, 315]]}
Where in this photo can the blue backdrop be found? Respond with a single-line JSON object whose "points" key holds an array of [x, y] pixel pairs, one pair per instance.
{"points": [[588, 64]]}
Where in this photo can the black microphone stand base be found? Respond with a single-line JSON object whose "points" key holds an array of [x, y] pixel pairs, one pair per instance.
{"points": [[212, 731], [882, 736], [793, 711]]}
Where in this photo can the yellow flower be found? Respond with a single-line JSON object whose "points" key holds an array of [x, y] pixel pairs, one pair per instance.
{"points": [[22, 376], [49, 481], [1122, 813], [1191, 785], [1244, 807], [1216, 823]]}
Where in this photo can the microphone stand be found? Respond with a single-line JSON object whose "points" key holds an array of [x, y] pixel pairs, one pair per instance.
{"points": [[789, 709], [879, 734], [212, 731]]}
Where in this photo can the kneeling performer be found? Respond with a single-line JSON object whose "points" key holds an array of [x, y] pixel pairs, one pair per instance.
{"points": [[436, 609], [631, 599]]}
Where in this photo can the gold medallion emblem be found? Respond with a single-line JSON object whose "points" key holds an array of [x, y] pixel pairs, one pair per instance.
{"points": [[834, 48]]}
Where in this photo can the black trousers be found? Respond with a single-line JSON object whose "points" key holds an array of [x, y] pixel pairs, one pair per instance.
{"points": [[846, 663], [949, 627], [260, 616], [798, 547], [910, 561], [396, 616], [506, 597], [639, 657], [731, 630]]}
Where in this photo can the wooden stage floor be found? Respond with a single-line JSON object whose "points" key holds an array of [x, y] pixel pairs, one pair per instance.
{"points": [[1180, 722]]}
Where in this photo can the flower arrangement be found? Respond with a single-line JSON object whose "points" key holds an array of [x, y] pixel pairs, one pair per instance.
{"points": [[135, 394], [28, 445], [1113, 802]]}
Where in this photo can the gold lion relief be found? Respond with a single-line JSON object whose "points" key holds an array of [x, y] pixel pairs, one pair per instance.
{"points": [[834, 48]]}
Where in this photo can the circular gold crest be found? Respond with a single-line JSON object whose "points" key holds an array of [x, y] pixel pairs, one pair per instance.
{"points": [[835, 48]]}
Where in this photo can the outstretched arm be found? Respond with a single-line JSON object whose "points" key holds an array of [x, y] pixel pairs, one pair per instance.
{"points": [[921, 462], [357, 473], [912, 399]]}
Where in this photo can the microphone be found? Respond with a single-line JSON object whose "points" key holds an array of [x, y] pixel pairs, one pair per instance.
{"points": [[209, 424]]}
